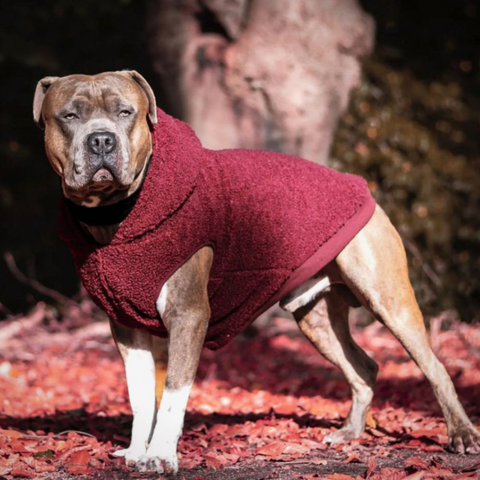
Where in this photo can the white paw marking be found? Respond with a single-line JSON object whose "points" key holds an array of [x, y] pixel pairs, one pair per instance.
{"points": [[162, 452], [341, 436], [156, 464], [131, 455]]}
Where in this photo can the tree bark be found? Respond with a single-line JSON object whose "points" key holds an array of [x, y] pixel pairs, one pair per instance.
{"points": [[259, 73]]}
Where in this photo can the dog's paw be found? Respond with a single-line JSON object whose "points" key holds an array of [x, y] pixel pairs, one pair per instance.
{"points": [[131, 455], [343, 435], [151, 463], [465, 440]]}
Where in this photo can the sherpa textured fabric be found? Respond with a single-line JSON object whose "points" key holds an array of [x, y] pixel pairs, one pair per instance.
{"points": [[273, 221]]}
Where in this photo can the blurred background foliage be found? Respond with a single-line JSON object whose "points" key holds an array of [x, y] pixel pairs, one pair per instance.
{"points": [[412, 130], [58, 37]]}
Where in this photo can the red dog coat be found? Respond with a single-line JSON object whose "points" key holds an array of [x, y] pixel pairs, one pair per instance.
{"points": [[273, 221]]}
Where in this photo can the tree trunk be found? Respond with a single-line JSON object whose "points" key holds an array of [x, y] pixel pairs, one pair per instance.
{"points": [[273, 74]]}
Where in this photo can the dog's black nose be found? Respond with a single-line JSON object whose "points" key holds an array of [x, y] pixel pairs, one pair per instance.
{"points": [[101, 143]]}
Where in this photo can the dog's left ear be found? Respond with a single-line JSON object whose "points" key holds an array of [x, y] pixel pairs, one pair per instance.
{"points": [[152, 104], [40, 91]]}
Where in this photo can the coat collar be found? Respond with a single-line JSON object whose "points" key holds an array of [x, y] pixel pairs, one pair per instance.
{"points": [[169, 182]]}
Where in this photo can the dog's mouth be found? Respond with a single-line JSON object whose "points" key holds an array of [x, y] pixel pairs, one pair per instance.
{"points": [[104, 179], [102, 176], [103, 183], [99, 178]]}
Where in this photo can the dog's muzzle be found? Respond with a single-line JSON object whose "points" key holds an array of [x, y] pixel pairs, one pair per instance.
{"points": [[102, 156]]}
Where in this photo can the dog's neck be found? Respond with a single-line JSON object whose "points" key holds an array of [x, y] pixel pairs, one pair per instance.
{"points": [[102, 221], [102, 234]]}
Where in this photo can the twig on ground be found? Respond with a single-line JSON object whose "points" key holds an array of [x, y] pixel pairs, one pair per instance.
{"points": [[448, 318], [35, 284], [57, 435], [95, 330], [12, 328], [26, 348], [461, 335], [80, 448]]}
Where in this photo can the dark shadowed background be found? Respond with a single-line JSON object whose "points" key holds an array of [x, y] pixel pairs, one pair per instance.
{"points": [[412, 129]]}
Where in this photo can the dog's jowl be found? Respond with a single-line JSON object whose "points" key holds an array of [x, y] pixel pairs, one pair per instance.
{"points": [[177, 241]]}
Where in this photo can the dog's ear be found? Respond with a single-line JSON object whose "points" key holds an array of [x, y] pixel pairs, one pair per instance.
{"points": [[42, 87], [152, 104]]}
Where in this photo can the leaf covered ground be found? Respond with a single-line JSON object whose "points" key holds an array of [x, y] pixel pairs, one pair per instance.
{"points": [[259, 408]]}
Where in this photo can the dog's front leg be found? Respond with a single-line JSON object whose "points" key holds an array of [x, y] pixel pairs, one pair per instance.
{"points": [[136, 349], [184, 308]]}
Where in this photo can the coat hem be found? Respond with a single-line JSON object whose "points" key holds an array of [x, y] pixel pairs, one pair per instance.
{"points": [[324, 255]]}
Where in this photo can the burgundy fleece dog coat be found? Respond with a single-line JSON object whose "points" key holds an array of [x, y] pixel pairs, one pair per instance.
{"points": [[273, 221]]}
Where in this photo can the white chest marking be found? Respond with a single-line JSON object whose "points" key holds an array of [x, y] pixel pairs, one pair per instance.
{"points": [[162, 299]]}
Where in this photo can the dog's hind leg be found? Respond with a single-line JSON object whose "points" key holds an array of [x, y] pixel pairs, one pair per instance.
{"points": [[325, 324], [374, 266], [136, 349]]}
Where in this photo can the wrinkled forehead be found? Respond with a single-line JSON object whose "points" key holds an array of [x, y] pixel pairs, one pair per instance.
{"points": [[105, 92]]}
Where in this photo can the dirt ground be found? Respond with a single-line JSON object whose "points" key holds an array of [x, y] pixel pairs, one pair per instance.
{"points": [[259, 408]]}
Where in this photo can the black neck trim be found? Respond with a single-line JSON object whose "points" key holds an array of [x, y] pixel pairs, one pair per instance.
{"points": [[108, 214], [105, 215]]}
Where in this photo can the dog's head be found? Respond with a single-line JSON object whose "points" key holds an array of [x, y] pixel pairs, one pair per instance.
{"points": [[97, 131]]}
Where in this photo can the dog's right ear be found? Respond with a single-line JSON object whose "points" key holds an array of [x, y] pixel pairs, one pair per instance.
{"points": [[42, 87]]}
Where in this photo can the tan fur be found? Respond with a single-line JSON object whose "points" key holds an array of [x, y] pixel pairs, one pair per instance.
{"points": [[374, 266], [187, 299], [99, 93], [371, 270]]}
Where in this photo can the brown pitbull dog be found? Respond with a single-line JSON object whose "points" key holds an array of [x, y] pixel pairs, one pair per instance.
{"points": [[98, 140]]}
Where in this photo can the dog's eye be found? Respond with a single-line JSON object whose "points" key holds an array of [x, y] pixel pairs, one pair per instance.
{"points": [[70, 116], [125, 113]]}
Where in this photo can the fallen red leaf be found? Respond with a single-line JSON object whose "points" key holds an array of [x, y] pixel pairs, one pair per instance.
{"points": [[313, 445], [440, 472], [81, 457], [78, 469], [44, 468], [212, 461], [272, 449], [11, 433], [190, 462], [354, 457], [20, 472], [392, 474], [340, 476], [415, 476], [18, 446], [416, 462], [295, 449], [432, 448]]}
